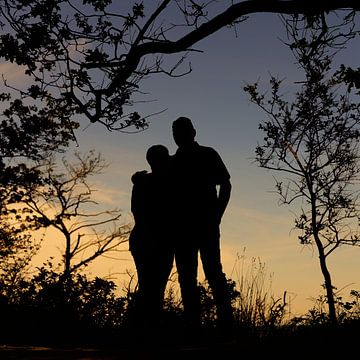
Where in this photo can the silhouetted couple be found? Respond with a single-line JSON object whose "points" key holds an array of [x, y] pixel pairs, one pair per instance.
{"points": [[177, 210]]}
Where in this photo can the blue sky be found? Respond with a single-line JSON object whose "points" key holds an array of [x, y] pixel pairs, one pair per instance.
{"points": [[212, 95]]}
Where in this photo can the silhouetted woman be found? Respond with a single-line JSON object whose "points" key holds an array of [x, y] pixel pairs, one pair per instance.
{"points": [[150, 243]]}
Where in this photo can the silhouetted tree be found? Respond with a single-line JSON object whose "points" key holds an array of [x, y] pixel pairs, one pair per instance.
{"points": [[17, 247], [90, 58], [314, 141], [16, 252], [65, 203]]}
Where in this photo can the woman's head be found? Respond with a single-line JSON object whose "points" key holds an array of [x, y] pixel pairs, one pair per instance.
{"points": [[158, 157]]}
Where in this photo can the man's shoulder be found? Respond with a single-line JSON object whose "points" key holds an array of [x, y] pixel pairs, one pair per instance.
{"points": [[197, 151], [207, 151], [206, 148]]}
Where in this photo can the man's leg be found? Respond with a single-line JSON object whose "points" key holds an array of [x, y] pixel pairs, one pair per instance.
{"points": [[211, 261]]}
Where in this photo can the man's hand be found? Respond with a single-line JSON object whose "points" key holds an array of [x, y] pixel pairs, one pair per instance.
{"points": [[223, 199], [136, 176]]}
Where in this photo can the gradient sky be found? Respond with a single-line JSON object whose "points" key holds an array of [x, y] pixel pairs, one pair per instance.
{"points": [[254, 225]]}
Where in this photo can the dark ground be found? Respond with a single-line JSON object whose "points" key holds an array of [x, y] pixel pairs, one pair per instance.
{"points": [[143, 352], [209, 346], [309, 344]]}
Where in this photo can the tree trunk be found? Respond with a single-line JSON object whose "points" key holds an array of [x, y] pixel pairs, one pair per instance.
{"points": [[327, 278], [67, 259], [322, 258]]}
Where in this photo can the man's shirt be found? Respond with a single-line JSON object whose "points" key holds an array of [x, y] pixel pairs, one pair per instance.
{"points": [[197, 171]]}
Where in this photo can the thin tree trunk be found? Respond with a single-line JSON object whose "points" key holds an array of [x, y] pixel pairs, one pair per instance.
{"points": [[327, 278], [322, 259], [67, 260]]}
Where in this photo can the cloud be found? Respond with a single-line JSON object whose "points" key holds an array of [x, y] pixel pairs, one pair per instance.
{"points": [[108, 195], [14, 73], [244, 226]]}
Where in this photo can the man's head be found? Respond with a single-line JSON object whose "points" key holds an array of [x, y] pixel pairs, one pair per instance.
{"points": [[183, 131], [158, 157]]}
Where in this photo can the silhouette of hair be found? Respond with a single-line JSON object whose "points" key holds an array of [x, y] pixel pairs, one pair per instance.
{"points": [[183, 131], [183, 123], [157, 155]]}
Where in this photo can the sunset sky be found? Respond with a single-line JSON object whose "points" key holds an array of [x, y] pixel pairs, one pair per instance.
{"points": [[254, 225]]}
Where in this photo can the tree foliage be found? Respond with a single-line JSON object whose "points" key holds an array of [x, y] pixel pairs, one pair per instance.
{"points": [[90, 58]]}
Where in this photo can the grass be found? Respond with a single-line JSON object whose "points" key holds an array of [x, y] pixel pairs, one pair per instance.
{"points": [[263, 327]]}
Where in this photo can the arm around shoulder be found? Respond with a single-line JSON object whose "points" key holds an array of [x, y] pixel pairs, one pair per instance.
{"points": [[138, 176]]}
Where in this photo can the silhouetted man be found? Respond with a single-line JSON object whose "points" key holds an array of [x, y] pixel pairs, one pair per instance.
{"points": [[198, 171], [149, 242]]}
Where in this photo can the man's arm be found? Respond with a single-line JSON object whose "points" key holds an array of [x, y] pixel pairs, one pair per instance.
{"points": [[224, 197]]}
